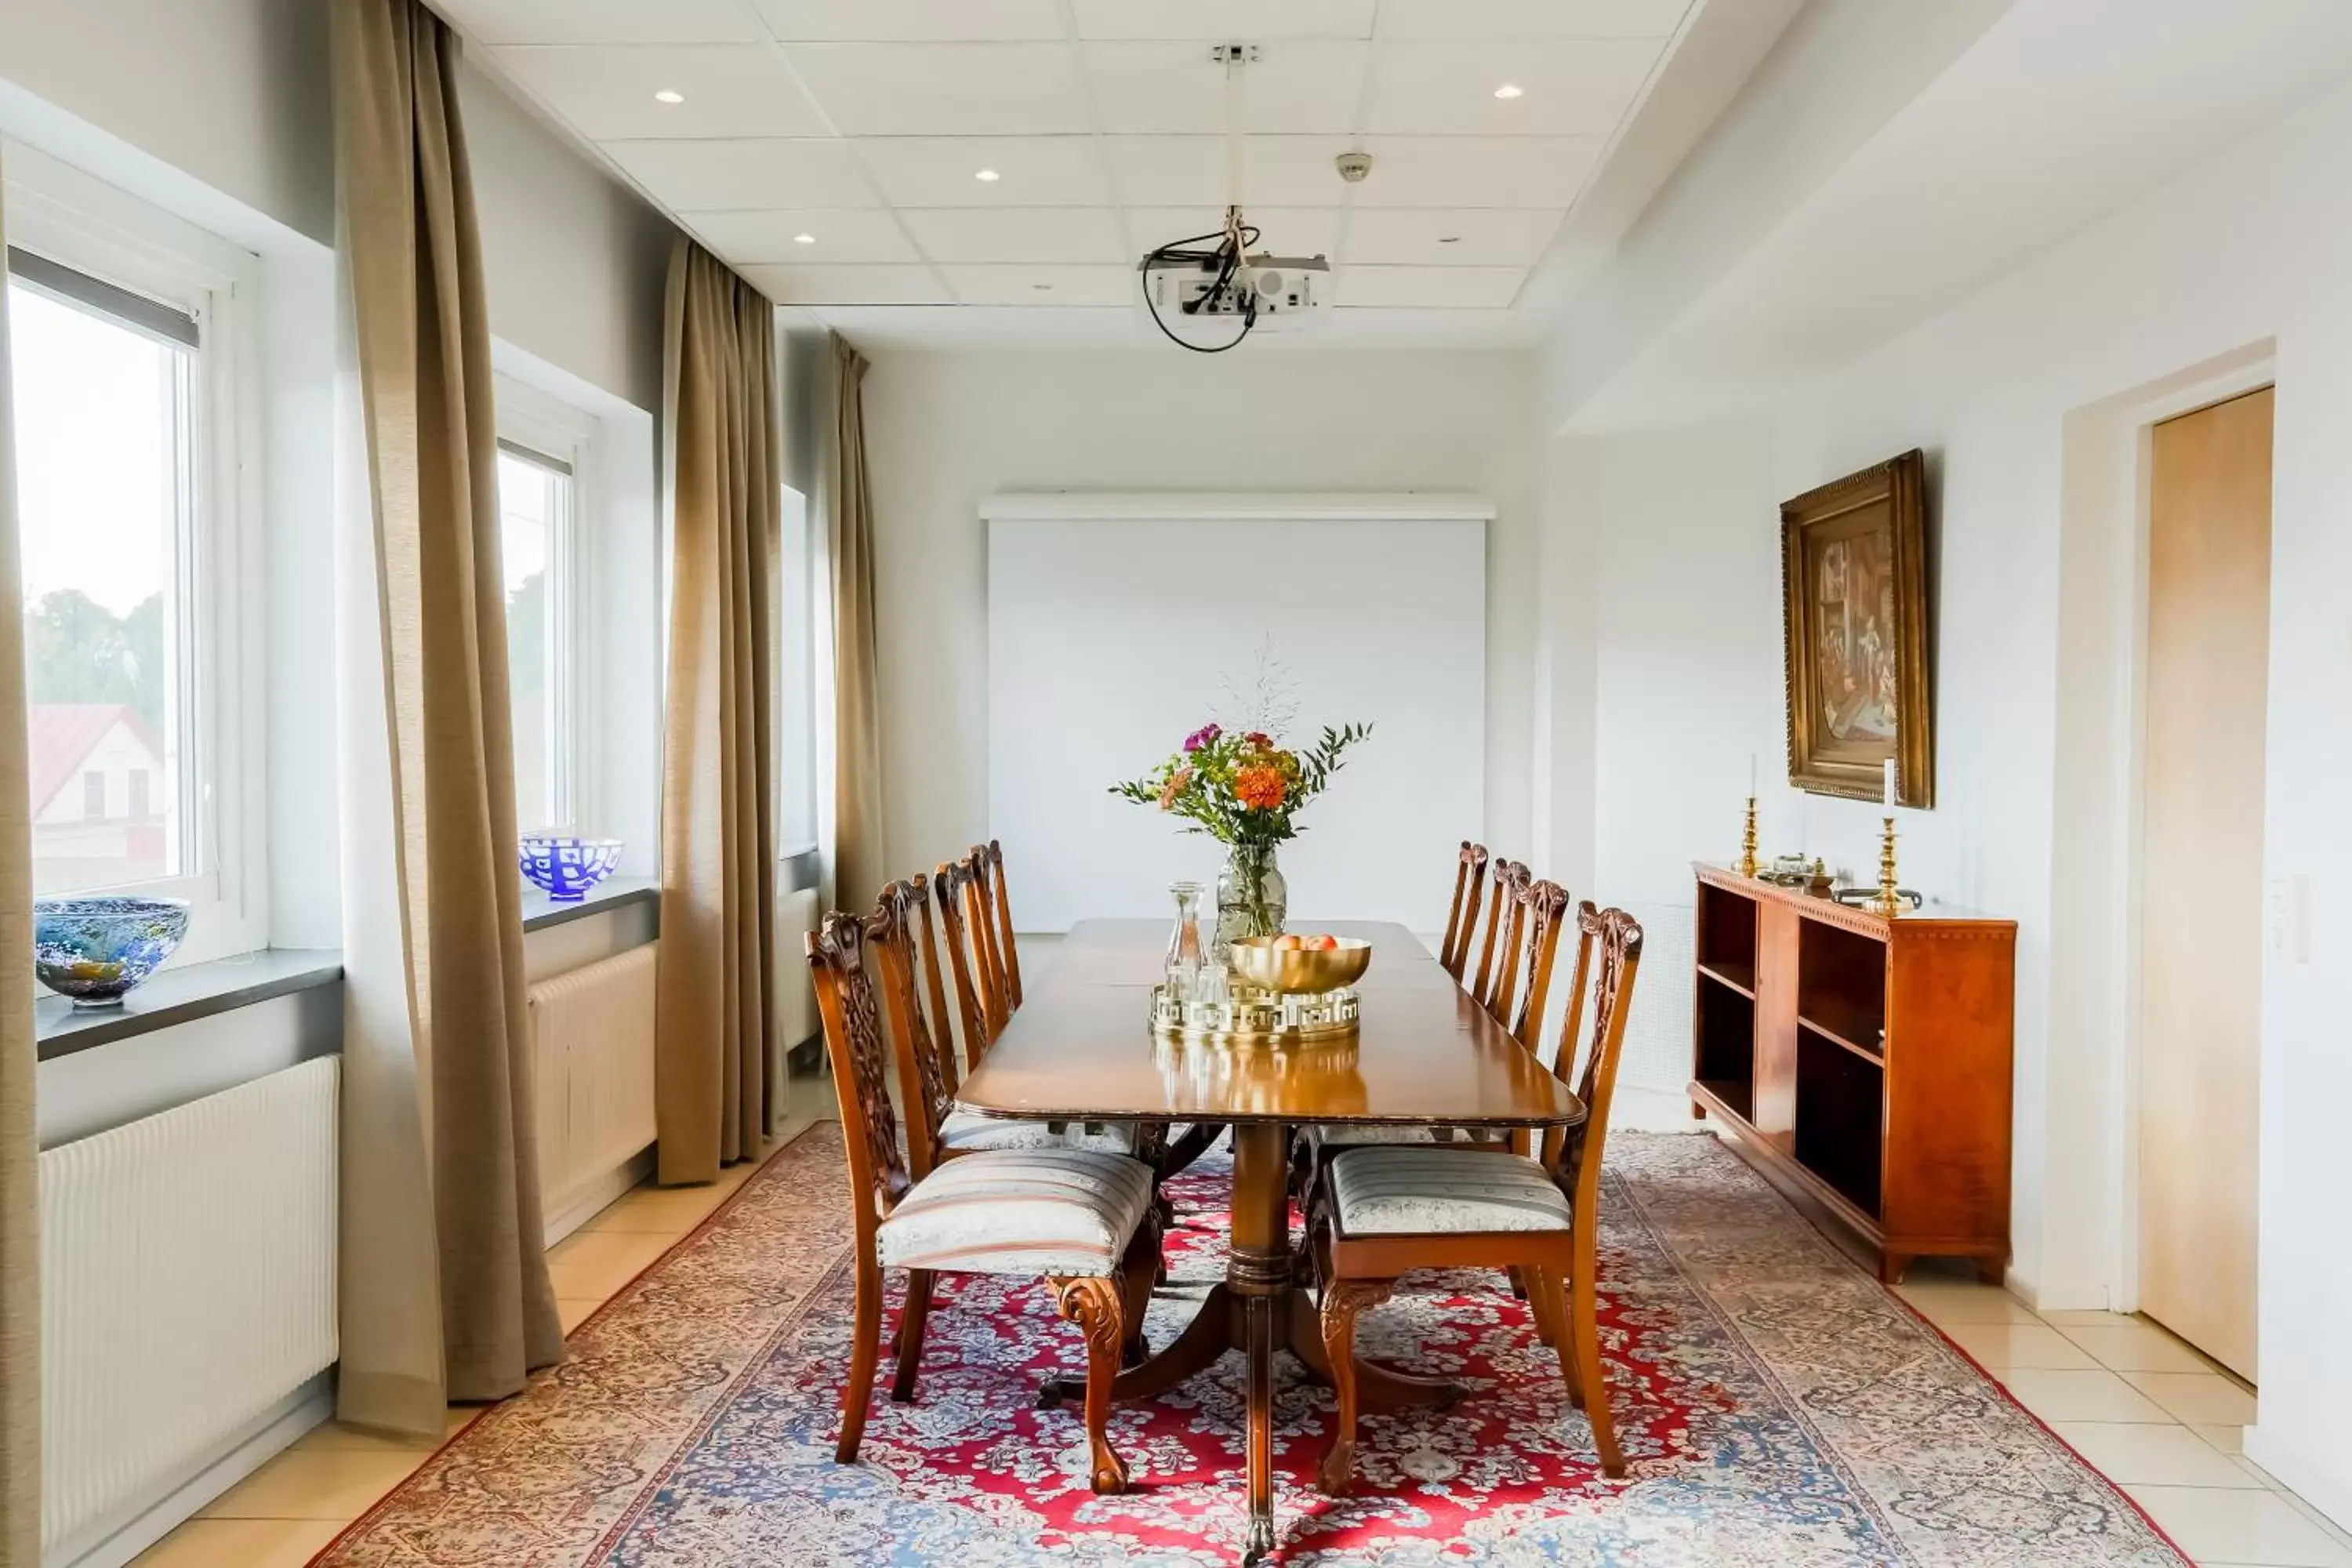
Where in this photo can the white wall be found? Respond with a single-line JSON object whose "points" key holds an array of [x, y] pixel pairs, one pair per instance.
{"points": [[945, 429], [2249, 250]]}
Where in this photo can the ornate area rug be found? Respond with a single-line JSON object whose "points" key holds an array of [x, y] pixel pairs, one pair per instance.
{"points": [[1776, 1407]]}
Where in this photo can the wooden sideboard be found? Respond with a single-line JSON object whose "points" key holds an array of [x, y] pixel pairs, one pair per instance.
{"points": [[1862, 1062]]}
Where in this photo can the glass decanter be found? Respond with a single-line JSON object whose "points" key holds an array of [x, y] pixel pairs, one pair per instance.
{"points": [[1182, 967]]}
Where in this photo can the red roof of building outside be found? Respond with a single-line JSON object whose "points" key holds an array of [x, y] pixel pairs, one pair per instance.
{"points": [[63, 735]]}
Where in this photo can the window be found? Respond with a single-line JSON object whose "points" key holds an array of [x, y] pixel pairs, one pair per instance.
{"points": [[796, 719], [534, 540], [93, 795]]}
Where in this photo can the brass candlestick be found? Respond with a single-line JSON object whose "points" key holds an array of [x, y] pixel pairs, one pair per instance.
{"points": [[1889, 901], [1747, 866]]}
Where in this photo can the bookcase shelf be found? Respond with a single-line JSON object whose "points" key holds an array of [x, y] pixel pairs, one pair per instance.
{"points": [[1860, 1062]]}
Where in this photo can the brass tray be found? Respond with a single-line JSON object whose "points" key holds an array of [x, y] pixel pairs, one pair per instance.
{"points": [[1256, 1017]]}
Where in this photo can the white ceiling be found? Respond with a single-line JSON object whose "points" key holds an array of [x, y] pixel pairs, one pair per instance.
{"points": [[862, 124]]}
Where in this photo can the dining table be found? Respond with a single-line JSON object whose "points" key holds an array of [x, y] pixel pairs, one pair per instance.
{"points": [[1082, 1047]]}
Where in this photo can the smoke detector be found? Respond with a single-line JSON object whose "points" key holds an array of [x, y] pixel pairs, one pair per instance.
{"points": [[1353, 166]]}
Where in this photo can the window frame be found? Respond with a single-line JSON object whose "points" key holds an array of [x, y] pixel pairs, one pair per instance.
{"points": [[535, 426], [82, 223]]}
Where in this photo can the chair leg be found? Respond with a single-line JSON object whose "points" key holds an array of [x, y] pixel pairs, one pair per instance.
{"points": [[865, 1351], [1584, 1337], [1141, 1273], [1547, 1304], [910, 1344], [1094, 1305], [1342, 1300]]}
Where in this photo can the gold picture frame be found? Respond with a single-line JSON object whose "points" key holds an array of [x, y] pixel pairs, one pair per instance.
{"points": [[1854, 572]]}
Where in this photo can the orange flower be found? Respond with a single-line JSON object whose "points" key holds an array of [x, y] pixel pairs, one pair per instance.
{"points": [[1178, 781], [1259, 788]]}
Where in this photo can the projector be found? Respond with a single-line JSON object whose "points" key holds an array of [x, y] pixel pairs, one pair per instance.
{"points": [[1271, 292]]}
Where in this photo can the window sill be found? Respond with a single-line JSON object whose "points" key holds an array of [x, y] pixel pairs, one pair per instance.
{"points": [[540, 911], [180, 995]]}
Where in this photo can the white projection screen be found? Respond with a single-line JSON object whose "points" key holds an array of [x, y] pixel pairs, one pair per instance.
{"points": [[1118, 624]]}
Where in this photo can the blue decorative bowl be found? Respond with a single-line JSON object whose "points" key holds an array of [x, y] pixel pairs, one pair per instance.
{"points": [[94, 950], [565, 868]]}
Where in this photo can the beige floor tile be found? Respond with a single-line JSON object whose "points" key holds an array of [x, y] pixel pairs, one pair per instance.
{"points": [[357, 1439], [2082, 1395], [2077, 1320], [316, 1483], [2137, 1346], [2229, 1440], [2137, 1454], [240, 1543], [573, 1311], [1943, 1304], [2000, 1346], [2219, 1525], [2197, 1397], [590, 1265], [656, 1214]]}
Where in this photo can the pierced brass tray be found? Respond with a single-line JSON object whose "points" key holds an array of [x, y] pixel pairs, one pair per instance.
{"points": [[1256, 1017]]}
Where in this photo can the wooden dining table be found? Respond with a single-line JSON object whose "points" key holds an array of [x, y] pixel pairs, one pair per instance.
{"points": [[1081, 1047]]}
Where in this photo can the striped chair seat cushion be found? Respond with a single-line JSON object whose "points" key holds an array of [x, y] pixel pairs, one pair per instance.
{"points": [[1405, 1190], [1332, 1137], [1046, 1211], [966, 1132]]}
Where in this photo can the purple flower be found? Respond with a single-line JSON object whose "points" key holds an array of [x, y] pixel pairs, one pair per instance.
{"points": [[1201, 737]]}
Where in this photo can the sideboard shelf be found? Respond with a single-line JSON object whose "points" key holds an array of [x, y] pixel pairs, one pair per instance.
{"points": [[1861, 1062]]}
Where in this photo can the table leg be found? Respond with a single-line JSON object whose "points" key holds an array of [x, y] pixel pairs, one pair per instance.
{"points": [[1258, 1272]]}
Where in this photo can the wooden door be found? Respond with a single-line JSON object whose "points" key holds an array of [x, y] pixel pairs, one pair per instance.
{"points": [[2201, 910]]}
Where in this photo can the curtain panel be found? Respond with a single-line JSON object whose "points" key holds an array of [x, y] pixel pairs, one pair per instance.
{"points": [[859, 866], [20, 1242], [445, 1286], [715, 978]]}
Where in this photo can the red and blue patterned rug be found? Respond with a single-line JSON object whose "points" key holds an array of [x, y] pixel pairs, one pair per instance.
{"points": [[1776, 1405]]}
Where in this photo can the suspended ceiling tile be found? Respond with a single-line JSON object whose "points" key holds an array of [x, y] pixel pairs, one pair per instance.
{"points": [[704, 177], [1076, 235], [849, 285], [946, 89], [1478, 171], [912, 21], [1283, 231], [607, 21], [1433, 288], [835, 235], [1451, 236], [1303, 88], [1031, 171], [606, 91], [1221, 21], [1044, 286], [1190, 170], [1530, 18], [1579, 87]]}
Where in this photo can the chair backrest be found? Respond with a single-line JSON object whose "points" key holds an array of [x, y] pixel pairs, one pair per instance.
{"points": [[935, 980], [1608, 952], [1462, 915], [838, 951], [988, 960], [952, 893], [1544, 906], [1505, 923], [926, 1078], [1007, 949]]}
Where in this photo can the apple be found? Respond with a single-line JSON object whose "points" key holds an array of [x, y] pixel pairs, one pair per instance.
{"points": [[1324, 943], [1288, 942]]}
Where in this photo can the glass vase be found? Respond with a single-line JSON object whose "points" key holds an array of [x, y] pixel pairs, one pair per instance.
{"points": [[1252, 898], [1181, 971]]}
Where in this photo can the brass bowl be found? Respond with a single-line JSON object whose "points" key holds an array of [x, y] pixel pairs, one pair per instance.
{"points": [[1294, 970]]}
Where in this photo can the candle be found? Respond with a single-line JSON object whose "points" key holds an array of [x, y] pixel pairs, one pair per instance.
{"points": [[1890, 783], [1752, 775]]}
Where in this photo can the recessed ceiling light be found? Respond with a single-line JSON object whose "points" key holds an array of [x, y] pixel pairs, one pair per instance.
{"points": [[669, 95], [1510, 90], [803, 240], [989, 175]]}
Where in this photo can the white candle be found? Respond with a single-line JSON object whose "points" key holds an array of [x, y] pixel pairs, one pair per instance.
{"points": [[1890, 783], [1752, 775]]}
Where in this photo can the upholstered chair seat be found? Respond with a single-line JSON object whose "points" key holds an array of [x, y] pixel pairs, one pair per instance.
{"points": [[1436, 1192], [1063, 1212], [968, 1133]]}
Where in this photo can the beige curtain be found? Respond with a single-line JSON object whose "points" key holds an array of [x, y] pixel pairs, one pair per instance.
{"points": [[20, 1249], [437, 1051], [859, 868], [715, 1013]]}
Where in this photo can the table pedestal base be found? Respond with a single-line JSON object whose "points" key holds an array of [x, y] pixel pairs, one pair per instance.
{"points": [[1261, 1306]]}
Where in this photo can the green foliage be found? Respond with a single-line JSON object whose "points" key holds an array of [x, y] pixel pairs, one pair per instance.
{"points": [[1243, 790], [77, 650]]}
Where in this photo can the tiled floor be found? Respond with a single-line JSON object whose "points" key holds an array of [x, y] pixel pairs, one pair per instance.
{"points": [[2158, 1419]]}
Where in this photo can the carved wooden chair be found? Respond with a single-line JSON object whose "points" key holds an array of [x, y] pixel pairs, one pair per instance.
{"points": [[1008, 951], [1499, 954], [1381, 1213], [1077, 1217], [951, 888], [1462, 915], [987, 951]]}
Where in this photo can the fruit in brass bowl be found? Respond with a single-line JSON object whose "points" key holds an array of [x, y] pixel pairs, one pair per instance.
{"points": [[96, 949], [1296, 964]]}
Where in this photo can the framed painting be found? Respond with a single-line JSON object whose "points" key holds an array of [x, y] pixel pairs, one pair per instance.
{"points": [[1854, 567]]}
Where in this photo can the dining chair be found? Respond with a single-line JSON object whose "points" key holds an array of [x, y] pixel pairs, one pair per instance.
{"points": [[951, 888], [1462, 915], [1382, 1213], [1506, 931], [988, 955], [1078, 1219], [1008, 951]]}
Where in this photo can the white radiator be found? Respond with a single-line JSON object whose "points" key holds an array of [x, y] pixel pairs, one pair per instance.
{"points": [[592, 1032], [187, 1288], [796, 1017]]}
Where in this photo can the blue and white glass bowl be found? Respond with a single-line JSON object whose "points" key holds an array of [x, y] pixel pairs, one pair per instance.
{"points": [[96, 949], [565, 868]]}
